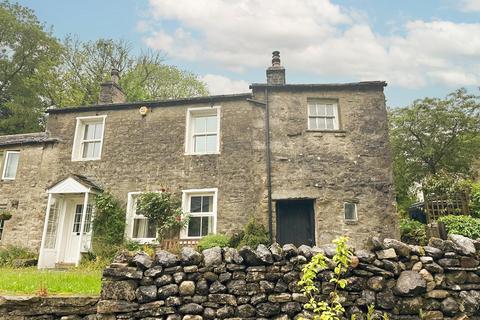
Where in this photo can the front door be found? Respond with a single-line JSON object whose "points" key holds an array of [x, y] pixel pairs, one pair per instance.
{"points": [[295, 222], [73, 221]]}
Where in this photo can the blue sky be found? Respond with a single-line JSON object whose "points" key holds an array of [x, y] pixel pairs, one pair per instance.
{"points": [[421, 48]]}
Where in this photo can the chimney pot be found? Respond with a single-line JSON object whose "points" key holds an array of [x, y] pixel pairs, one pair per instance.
{"points": [[115, 75], [276, 73]]}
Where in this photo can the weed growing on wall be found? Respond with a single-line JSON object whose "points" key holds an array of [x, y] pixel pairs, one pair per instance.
{"points": [[330, 309]]}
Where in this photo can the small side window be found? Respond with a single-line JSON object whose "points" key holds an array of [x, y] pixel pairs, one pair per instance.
{"points": [[350, 210], [323, 115], [10, 165]]}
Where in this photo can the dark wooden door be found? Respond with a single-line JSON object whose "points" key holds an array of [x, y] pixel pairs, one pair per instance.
{"points": [[295, 222]]}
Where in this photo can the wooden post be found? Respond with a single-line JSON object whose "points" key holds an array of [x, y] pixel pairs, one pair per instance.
{"points": [[82, 226], [44, 233]]}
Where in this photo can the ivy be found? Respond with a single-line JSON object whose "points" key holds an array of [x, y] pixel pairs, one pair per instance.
{"points": [[108, 225], [462, 225]]}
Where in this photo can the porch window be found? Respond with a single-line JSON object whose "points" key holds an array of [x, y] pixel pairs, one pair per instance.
{"points": [[203, 130], [77, 222], [88, 138], [201, 206], [322, 115], [140, 228], [11, 165], [52, 226], [350, 209]]}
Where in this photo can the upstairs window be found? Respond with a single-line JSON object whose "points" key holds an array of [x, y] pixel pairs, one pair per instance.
{"points": [[201, 206], [350, 209], [203, 128], [10, 165], [322, 115], [88, 140]]}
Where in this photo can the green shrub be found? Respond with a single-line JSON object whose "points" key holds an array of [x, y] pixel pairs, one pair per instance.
{"points": [[475, 200], [108, 226], [413, 232], [163, 210], [464, 225], [254, 234], [10, 253], [213, 240]]}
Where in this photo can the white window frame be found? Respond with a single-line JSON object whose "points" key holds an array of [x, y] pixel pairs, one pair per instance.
{"points": [[5, 163], [78, 141], [336, 121], [345, 210], [131, 215], [189, 140], [186, 198]]}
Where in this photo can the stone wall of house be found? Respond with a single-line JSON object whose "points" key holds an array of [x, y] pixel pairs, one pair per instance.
{"points": [[48, 308], [26, 196], [147, 153], [441, 280], [351, 164]]}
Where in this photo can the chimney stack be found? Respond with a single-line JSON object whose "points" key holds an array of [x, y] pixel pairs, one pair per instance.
{"points": [[276, 73], [110, 91]]}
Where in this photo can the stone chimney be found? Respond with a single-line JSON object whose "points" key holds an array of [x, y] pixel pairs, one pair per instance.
{"points": [[276, 73], [110, 91]]}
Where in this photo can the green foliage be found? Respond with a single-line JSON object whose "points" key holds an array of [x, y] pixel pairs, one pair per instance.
{"points": [[464, 225], [28, 54], [11, 253], [413, 232], [433, 135], [475, 200], [5, 215], [163, 210], [108, 225], [144, 76], [213, 240], [254, 233], [330, 309]]}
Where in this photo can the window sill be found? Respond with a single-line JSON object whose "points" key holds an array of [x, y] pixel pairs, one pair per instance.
{"points": [[7, 180], [327, 131], [351, 222], [201, 154], [84, 160]]}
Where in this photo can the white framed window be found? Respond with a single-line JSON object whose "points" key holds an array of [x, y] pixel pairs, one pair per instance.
{"points": [[203, 130], [350, 211], [201, 206], [77, 221], [322, 114], [88, 141], [10, 165], [138, 227]]}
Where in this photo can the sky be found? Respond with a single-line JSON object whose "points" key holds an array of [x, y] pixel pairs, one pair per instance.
{"points": [[420, 47]]}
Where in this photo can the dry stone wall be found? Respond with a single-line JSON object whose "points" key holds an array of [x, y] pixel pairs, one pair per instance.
{"points": [[437, 281], [441, 280]]}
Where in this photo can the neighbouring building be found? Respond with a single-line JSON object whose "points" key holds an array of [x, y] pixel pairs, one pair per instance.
{"points": [[310, 161]]}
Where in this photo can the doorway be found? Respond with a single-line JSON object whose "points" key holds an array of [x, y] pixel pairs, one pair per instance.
{"points": [[295, 222]]}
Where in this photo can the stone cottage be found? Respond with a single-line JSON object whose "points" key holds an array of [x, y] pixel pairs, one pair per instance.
{"points": [[310, 161]]}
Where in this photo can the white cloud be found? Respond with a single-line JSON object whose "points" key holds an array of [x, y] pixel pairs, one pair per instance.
{"points": [[218, 84], [317, 37], [470, 5]]}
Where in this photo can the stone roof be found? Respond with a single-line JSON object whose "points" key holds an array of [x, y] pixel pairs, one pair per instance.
{"points": [[152, 104], [325, 86], [26, 138]]}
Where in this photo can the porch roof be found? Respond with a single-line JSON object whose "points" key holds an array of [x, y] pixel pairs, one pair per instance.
{"points": [[74, 183]]}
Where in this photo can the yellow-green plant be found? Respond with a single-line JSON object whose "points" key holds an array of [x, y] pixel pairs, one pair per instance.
{"points": [[330, 309]]}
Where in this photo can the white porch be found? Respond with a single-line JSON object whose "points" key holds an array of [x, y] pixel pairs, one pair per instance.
{"points": [[67, 230]]}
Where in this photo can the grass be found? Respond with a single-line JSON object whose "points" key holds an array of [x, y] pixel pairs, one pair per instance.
{"points": [[31, 281]]}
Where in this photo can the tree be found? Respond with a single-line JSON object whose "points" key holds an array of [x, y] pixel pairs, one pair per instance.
{"points": [[143, 77], [27, 52], [434, 135]]}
